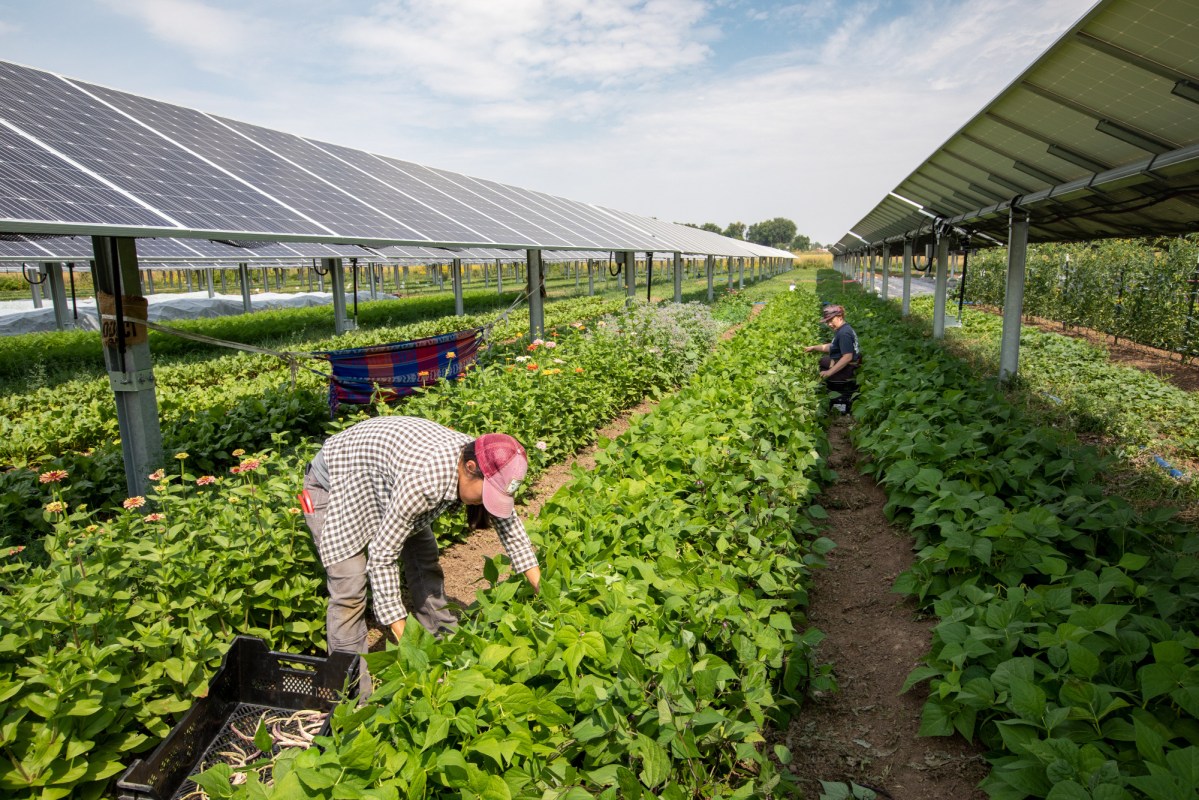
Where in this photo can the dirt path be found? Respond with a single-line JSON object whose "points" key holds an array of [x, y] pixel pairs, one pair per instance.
{"points": [[867, 731]]}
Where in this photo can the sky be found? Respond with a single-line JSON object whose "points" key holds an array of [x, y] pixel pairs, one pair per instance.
{"points": [[686, 110]]}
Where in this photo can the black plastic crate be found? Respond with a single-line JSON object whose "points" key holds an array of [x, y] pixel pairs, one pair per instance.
{"points": [[252, 679]]}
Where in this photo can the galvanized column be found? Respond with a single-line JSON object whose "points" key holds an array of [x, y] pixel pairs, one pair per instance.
{"points": [[886, 287], [1013, 295], [872, 256], [337, 277], [630, 274], [591, 277], [678, 277], [908, 246], [536, 307], [741, 272], [208, 283], [456, 276], [710, 267], [35, 287], [942, 285], [243, 277], [127, 358], [57, 291], [499, 277]]}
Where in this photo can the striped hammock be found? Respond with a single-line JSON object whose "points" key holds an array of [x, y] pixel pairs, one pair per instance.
{"points": [[390, 371]]}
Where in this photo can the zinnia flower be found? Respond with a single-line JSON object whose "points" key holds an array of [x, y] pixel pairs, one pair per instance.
{"points": [[238, 453], [531, 366], [134, 502], [155, 517], [205, 480], [578, 370], [542, 446], [551, 345], [451, 354], [250, 464], [181, 456], [56, 507], [157, 475], [532, 347], [53, 476], [293, 510]]}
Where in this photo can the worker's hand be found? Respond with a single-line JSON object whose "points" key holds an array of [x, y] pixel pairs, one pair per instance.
{"points": [[811, 347], [533, 576], [397, 629], [824, 373]]}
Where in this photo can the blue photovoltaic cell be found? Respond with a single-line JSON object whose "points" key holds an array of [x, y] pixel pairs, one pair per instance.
{"points": [[36, 185], [542, 227], [618, 230], [337, 213], [321, 163], [109, 145], [421, 186], [667, 235], [576, 232], [428, 218], [23, 249], [519, 228]]}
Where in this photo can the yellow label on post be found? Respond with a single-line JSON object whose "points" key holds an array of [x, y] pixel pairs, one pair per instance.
{"points": [[131, 307]]}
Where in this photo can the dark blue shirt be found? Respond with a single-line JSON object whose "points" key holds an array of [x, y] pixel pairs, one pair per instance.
{"points": [[845, 340]]}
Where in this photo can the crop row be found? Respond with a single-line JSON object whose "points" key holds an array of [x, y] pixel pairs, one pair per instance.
{"points": [[119, 622], [207, 408], [1067, 636], [668, 633]]}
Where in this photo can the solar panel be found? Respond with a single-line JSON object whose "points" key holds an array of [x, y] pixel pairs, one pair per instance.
{"points": [[317, 207]]}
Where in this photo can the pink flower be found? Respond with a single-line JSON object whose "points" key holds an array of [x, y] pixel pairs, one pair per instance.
{"points": [[15, 550], [236, 470], [53, 476], [205, 480], [155, 517], [542, 446], [133, 502], [157, 475], [250, 464], [551, 345]]}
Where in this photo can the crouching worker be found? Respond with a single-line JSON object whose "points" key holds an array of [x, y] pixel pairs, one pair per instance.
{"points": [[370, 497], [844, 355]]}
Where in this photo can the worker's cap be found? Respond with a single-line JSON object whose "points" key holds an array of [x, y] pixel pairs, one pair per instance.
{"points": [[831, 311], [503, 463]]}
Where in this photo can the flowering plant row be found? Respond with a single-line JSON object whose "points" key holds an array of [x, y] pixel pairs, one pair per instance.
{"points": [[207, 408], [124, 616], [668, 632]]}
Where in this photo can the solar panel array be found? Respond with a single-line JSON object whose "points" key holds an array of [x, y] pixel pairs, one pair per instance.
{"points": [[82, 159], [1098, 138]]}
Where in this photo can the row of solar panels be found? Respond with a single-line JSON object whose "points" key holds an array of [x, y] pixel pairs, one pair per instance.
{"points": [[20, 248], [77, 158], [1098, 138]]}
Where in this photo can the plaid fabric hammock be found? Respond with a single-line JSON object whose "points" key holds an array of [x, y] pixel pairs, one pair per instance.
{"points": [[390, 371]]}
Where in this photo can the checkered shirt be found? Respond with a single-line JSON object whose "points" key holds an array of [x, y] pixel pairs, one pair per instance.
{"points": [[390, 476]]}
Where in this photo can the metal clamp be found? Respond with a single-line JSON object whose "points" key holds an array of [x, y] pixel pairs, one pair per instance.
{"points": [[134, 381]]}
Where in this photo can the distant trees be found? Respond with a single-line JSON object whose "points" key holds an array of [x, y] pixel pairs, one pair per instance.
{"points": [[777, 232]]}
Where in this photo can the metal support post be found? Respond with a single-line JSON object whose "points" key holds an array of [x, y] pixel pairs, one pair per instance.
{"points": [[57, 291], [886, 287], [456, 278], [941, 289], [208, 283], [536, 306], [127, 357], [499, 277], [1013, 295], [741, 272], [590, 277], [337, 277], [630, 273], [870, 287], [243, 277], [908, 246], [678, 277], [710, 268]]}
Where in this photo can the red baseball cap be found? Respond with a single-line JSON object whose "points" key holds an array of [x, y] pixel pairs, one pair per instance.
{"points": [[503, 463]]}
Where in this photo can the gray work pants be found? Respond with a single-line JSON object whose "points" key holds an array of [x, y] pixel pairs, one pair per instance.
{"points": [[345, 622]]}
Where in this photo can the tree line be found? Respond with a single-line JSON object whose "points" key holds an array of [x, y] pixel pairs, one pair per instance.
{"points": [[778, 232]]}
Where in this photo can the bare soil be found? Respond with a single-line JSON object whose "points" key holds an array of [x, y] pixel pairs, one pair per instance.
{"points": [[866, 732]]}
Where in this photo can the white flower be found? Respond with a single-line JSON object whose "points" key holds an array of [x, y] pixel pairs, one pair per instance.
{"points": [[542, 446], [538, 342], [559, 361], [522, 358]]}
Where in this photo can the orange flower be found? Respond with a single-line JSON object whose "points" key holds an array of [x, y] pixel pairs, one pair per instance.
{"points": [[205, 480], [578, 370], [133, 502], [532, 348], [532, 365]]}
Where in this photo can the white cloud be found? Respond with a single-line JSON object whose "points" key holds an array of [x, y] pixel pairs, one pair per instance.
{"points": [[208, 32], [480, 50], [7, 28]]}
